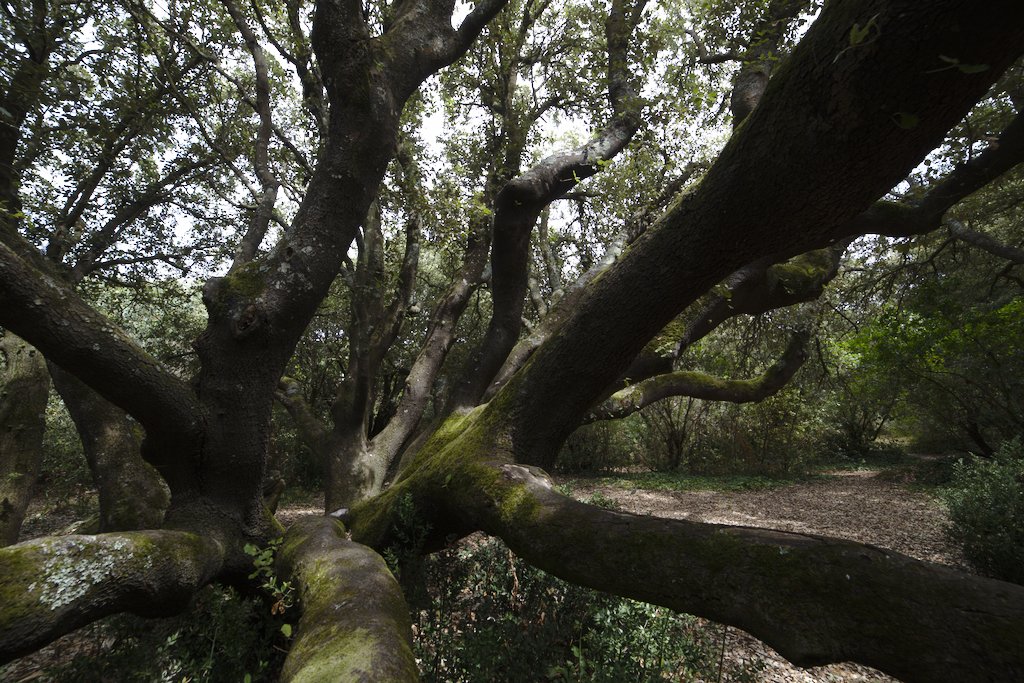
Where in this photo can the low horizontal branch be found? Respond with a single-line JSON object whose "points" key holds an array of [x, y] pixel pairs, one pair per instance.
{"points": [[814, 599], [52, 586]]}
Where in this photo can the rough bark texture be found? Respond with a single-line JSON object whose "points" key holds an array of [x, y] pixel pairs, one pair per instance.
{"points": [[829, 137], [131, 493], [355, 623], [52, 586], [814, 599], [24, 389]]}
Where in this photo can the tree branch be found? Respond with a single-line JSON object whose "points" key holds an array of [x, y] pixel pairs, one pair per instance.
{"points": [[355, 623], [253, 237], [699, 385], [521, 201], [907, 219], [983, 241], [72, 334], [311, 430], [814, 599], [52, 586], [708, 233]]}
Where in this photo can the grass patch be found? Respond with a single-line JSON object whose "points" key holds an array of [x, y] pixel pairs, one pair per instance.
{"points": [[675, 481]]}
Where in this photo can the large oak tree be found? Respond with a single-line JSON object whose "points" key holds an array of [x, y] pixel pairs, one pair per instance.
{"points": [[821, 135]]}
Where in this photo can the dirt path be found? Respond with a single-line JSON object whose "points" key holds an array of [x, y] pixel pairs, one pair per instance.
{"points": [[867, 506]]}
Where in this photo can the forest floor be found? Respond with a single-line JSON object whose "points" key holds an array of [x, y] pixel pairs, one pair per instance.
{"points": [[882, 506]]}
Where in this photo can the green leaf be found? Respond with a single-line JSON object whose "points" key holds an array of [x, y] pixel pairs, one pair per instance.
{"points": [[250, 549], [858, 34], [247, 678], [972, 68], [906, 120], [286, 629]]}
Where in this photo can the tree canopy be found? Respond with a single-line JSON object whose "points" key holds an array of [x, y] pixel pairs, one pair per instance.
{"points": [[443, 237]]}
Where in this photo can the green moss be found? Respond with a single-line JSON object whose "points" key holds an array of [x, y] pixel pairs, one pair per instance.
{"points": [[248, 281], [330, 655], [805, 272], [460, 460], [665, 341], [19, 566]]}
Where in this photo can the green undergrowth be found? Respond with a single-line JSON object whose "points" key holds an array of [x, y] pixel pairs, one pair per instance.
{"points": [[489, 616], [985, 498], [482, 614], [222, 638]]}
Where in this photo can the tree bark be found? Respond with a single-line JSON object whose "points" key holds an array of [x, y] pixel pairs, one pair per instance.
{"points": [[52, 586], [24, 389], [131, 493], [699, 385], [815, 600], [355, 623], [827, 107]]}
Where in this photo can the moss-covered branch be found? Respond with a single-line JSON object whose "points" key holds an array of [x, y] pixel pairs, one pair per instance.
{"points": [[700, 385], [757, 288], [355, 623], [814, 599], [52, 586]]}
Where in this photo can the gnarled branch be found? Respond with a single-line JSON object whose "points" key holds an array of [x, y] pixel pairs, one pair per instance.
{"points": [[814, 599]]}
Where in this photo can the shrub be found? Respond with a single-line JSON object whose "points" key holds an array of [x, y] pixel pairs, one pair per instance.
{"points": [[986, 509], [597, 447], [223, 638], [493, 617]]}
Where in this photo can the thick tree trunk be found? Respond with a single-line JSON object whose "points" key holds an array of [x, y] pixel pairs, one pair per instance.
{"points": [[132, 494], [24, 389]]}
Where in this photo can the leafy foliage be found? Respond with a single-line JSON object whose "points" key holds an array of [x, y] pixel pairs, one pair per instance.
{"points": [[223, 638], [986, 509], [494, 617]]}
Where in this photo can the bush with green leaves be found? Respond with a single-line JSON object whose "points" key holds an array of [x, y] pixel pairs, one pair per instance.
{"points": [[986, 510], [223, 638]]}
